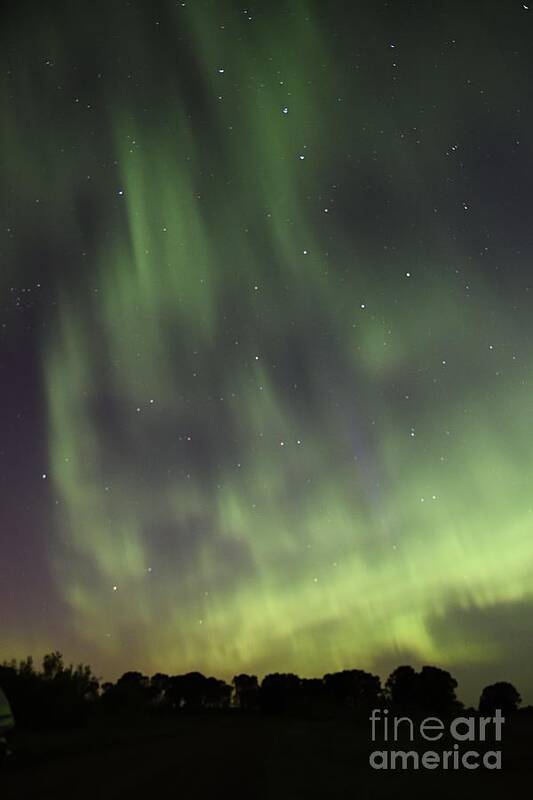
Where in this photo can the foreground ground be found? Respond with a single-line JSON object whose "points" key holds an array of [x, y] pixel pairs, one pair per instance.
{"points": [[230, 755]]}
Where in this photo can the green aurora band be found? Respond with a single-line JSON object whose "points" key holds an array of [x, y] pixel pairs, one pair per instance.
{"points": [[272, 449]]}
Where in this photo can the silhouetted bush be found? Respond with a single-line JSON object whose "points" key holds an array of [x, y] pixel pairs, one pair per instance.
{"points": [[58, 696]]}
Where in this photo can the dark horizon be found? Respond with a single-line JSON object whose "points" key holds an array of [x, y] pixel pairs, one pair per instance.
{"points": [[40, 668]]}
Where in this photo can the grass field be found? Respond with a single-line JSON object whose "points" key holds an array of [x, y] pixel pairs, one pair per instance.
{"points": [[234, 755]]}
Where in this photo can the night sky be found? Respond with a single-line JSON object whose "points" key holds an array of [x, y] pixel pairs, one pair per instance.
{"points": [[266, 336]]}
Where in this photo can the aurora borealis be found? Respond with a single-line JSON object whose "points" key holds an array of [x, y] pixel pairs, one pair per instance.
{"points": [[266, 337]]}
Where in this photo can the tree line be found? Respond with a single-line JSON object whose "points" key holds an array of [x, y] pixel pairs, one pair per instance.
{"points": [[59, 695]]}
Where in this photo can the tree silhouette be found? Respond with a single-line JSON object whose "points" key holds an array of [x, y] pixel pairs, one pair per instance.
{"points": [[353, 688], [159, 685], [57, 695], [402, 687], [130, 692], [60, 695], [312, 693], [279, 692], [500, 695], [217, 693], [52, 664], [246, 688], [430, 690], [188, 691], [436, 691]]}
